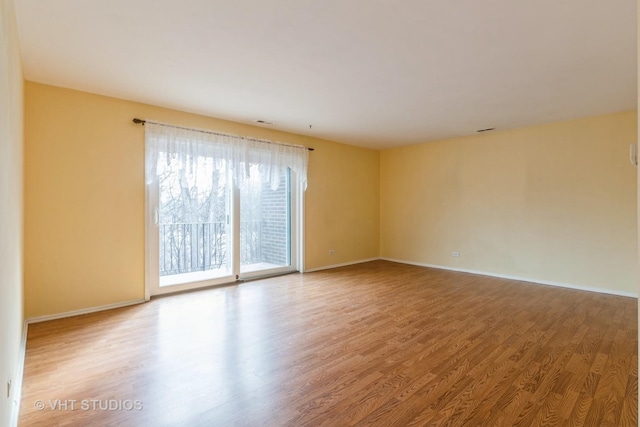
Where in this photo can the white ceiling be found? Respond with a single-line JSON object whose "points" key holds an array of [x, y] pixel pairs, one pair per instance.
{"points": [[375, 73]]}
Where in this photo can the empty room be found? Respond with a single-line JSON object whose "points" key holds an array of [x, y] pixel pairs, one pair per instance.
{"points": [[329, 213]]}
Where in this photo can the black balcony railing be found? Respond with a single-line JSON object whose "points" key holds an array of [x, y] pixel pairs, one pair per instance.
{"points": [[191, 247]]}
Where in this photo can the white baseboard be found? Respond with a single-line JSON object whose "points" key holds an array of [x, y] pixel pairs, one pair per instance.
{"points": [[520, 279], [344, 264], [83, 311]]}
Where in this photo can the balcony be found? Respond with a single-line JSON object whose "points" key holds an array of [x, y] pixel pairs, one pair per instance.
{"points": [[201, 251]]}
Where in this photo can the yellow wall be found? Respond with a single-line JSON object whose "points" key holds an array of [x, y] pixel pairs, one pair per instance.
{"points": [[342, 206], [84, 198], [11, 139], [553, 203]]}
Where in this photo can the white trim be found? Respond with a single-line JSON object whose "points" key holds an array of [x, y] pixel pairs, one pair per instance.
{"points": [[344, 264], [233, 239], [300, 224], [520, 279], [267, 274], [83, 311], [190, 286], [17, 387], [151, 239]]}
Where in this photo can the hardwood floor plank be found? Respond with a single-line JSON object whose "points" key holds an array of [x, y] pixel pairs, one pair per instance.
{"points": [[629, 413], [580, 411], [379, 343]]}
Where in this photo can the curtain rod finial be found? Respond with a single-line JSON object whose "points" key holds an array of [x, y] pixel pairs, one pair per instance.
{"points": [[139, 121]]}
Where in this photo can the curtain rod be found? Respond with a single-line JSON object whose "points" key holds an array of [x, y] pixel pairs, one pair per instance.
{"points": [[142, 122]]}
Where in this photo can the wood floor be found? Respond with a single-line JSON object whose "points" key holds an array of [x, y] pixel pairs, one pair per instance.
{"points": [[373, 344]]}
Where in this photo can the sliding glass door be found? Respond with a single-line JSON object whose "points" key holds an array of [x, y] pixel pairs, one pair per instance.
{"points": [[206, 227], [219, 208]]}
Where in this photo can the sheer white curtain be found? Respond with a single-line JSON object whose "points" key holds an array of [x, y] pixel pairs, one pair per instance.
{"points": [[170, 143]]}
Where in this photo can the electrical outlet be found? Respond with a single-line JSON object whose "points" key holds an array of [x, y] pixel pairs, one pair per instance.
{"points": [[332, 252], [8, 388], [455, 253]]}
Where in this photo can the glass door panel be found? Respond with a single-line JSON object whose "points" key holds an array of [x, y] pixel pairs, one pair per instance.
{"points": [[193, 220], [265, 224]]}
